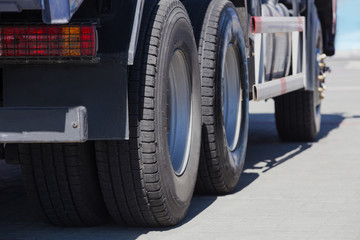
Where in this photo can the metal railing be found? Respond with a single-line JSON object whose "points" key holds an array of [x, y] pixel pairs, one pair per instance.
{"points": [[295, 25]]}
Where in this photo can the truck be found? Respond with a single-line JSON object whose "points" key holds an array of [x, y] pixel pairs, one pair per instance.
{"points": [[121, 109]]}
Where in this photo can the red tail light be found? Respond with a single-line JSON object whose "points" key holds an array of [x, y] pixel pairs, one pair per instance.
{"points": [[48, 41]]}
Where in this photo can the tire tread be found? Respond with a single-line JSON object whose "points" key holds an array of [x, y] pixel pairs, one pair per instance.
{"points": [[210, 178], [53, 179], [141, 202]]}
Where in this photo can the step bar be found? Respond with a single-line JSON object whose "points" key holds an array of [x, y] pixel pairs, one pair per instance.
{"points": [[262, 89], [277, 87], [276, 24]]}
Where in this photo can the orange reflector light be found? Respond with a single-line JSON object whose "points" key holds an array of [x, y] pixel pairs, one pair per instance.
{"points": [[48, 41]]}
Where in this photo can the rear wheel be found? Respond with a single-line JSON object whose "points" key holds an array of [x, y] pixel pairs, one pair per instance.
{"points": [[149, 180], [223, 65], [61, 182]]}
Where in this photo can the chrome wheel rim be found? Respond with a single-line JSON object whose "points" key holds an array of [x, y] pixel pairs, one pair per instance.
{"points": [[231, 97], [179, 112]]}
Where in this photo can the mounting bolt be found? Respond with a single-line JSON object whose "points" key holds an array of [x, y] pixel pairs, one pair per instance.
{"points": [[74, 124]]}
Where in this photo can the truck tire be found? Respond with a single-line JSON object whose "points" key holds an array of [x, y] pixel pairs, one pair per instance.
{"points": [[149, 180], [62, 183], [297, 114], [225, 97]]}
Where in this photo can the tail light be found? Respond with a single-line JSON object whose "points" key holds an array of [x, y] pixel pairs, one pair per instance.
{"points": [[48, 41]]}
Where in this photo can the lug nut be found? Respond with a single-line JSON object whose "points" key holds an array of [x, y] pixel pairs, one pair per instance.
{"points": [[322, 56], [320, 89], [322, 77]]}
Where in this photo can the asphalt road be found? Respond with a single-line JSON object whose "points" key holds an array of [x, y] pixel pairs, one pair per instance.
{"points": [[287, 191]]}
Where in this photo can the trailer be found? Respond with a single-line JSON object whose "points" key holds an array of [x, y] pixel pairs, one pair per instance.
{"points": [[120, 109]]}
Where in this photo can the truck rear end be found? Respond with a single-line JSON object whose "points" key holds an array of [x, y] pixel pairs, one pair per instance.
{"points": [[64, 85], [79, 68], [121, 108]]}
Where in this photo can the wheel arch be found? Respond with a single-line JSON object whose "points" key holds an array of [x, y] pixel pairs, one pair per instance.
{"points": [[239, 3]]}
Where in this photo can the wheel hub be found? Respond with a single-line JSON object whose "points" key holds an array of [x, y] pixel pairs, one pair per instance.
{"points": [[179, 112], [231, 97]]}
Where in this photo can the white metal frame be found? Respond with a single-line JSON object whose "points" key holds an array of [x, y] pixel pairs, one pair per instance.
{"points": [[267, 89]]}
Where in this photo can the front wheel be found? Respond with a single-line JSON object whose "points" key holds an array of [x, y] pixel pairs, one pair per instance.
{"points": [[298, 114], [149, 180]]}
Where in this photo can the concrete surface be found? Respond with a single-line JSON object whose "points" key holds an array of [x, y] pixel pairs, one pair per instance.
{"points": [[287, 191]]}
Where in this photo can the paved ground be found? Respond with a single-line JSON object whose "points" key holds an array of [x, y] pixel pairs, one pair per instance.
{"points": [[287, 191]]}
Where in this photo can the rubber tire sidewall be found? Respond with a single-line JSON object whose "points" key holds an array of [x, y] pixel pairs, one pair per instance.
{"points": [[178, 190], [230, 32]]}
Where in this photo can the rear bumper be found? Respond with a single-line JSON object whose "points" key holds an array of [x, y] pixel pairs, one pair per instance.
{"points": [[32, 125], [100, 88]]}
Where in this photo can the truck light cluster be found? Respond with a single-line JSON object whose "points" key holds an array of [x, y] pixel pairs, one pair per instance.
{"points": [[48, 41]]}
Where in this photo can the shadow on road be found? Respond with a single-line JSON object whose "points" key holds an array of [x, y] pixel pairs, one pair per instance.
{"points": [[265, 152]]}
